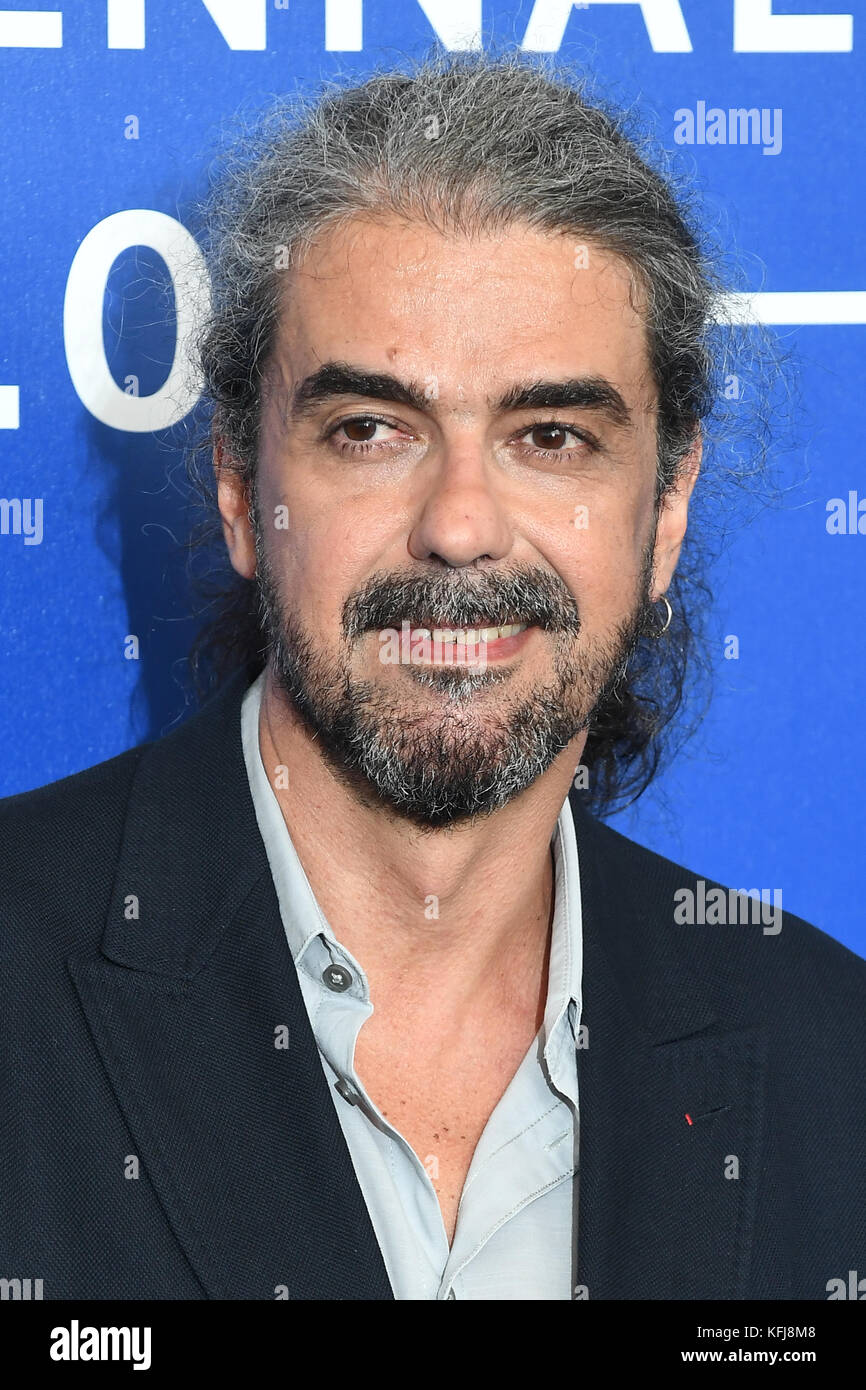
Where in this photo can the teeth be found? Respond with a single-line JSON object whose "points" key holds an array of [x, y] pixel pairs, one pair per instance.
{"points": [[492, 634], [471, 636]]}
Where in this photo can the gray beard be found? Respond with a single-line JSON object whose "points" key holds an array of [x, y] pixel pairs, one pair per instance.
{"points": [[440, 769]]}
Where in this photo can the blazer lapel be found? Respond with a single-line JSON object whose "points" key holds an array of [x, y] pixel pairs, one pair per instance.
{"points": [[191, 1004], [671, 1101]]}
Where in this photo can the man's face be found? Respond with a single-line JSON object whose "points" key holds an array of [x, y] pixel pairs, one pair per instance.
{"points": [[416, 480]]}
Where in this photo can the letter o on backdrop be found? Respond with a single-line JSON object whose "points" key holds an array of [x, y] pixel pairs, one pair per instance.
{"points": [[82, 319]]}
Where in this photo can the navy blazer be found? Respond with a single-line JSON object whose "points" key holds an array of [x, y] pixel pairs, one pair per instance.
{"points": [[156, 1144]]}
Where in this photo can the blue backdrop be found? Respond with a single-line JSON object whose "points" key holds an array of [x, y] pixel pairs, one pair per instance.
{"points": [[111, 111]]}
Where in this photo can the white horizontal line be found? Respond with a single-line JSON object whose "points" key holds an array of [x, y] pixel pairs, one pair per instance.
{"points": [[31, 29], [794, 307]]}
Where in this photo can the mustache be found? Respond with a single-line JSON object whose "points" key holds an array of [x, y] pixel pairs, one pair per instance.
{"points": [[532, 596]]}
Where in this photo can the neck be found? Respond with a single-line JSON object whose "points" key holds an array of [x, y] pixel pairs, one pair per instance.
{"points": [[462, 912]]}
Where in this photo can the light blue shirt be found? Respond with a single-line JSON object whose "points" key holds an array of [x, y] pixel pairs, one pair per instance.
{"points": [[515, 1236]]}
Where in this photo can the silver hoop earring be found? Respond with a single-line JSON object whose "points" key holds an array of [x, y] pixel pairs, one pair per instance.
{"points": [[663, 598]]}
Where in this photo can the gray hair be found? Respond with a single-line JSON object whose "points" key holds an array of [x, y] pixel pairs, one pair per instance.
{"points": [[469, 144]]}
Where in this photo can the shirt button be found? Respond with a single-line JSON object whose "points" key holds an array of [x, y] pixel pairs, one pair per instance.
{"points": [[347, 1092], [337, 978]]}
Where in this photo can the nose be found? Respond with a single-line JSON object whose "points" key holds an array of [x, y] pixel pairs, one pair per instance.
{"points": [[462, 518]]}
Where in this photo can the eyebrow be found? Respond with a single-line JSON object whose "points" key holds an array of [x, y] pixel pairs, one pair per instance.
{"points": [[335, 379]]}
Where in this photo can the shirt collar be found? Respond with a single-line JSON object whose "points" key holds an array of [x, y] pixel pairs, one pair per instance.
{"points": [[302, 917], [304, 921]]}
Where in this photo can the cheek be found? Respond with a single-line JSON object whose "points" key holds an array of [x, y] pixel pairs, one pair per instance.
{"points": [[599, 556], [322, 557]]}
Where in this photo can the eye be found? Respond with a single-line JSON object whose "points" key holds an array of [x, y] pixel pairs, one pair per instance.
{"points": [[359, 434], [550, 439]]}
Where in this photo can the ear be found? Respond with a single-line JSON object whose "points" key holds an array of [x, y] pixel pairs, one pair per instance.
{"points": [[234, 505], [673, 519]]}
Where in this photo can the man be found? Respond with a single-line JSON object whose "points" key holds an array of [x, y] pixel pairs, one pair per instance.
{"points": [[340, 991]]}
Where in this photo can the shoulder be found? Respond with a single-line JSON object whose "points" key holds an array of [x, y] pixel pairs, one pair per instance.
{"points": [[59, 844], [758, 959], [63, 811], [61, 822]]}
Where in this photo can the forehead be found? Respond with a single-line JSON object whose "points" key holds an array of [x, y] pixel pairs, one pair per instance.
{"points": [[476, 312]]}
